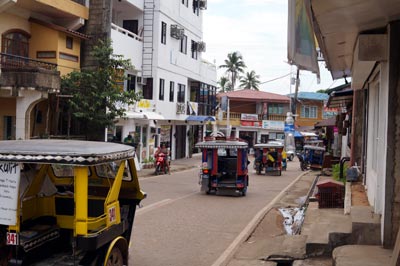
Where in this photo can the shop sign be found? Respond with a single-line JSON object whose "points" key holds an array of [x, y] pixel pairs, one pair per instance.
{"points": [[9, 184], [249, 117], [250, 123], [273, 125]]}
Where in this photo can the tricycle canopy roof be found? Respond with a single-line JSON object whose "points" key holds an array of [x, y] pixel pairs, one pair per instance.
{"points": [[74, 152], [268, 145], [312, 147], [215, 144]]}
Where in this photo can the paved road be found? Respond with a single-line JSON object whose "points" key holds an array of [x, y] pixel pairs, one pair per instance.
{"points": [[178, 225]]}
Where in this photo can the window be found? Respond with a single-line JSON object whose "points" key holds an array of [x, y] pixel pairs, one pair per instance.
{"points": [[196, 7], [161, 92], [46, 54], [163, 32], [194, 49], [185, 3], [148, 89], [171, 91], [181, 93], [309, 111], [183, 45], [275, 109], [69, 42], [15, 43], [131, 83], [69, 57]]}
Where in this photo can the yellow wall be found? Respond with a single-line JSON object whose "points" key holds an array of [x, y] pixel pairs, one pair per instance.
{"points": [[68, 6], [66, 66], [301, 121], [47, 39]]}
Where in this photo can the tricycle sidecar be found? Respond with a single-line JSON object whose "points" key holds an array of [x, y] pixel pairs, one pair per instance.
{"points": [[224, 165], [66, 202], [268, 158]]}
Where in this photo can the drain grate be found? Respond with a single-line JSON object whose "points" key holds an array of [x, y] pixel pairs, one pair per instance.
{"points": [[281, 260]]}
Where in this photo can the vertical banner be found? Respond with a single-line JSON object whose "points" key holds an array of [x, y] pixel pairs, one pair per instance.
{"points": [[9, 185], [301, 40]]}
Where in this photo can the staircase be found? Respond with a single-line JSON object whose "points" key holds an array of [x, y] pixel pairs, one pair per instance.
{"points": [[148, 30]]}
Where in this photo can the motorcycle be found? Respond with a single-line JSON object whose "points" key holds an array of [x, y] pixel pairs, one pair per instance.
{"points": [[161, 167]]}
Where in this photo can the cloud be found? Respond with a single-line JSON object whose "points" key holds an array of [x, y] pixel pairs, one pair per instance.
{"points": [[258, 30]]}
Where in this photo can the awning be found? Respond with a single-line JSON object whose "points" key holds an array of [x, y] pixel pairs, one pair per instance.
{"points": [[199, 118], [144, 115], [330, 122], [339, 99]]}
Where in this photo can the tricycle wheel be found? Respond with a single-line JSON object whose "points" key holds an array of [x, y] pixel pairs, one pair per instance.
{"points": [[244, 191], [115, 258], [291, 157], [280, 172]]}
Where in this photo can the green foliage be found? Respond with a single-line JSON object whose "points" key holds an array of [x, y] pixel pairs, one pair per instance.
{"points": [[250, 81], [234, 65], [97, 96], [336, 172]]}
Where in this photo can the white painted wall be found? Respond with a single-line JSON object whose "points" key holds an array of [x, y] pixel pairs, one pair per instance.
{"points": [[130, 48]]}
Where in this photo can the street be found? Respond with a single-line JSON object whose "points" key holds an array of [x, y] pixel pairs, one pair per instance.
{"points": [[179, 225]]}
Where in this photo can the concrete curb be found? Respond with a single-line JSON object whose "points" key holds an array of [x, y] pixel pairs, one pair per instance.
{"points": [[251, 226]]}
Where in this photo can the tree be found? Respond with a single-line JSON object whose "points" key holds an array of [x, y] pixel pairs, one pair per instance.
{"points": [[97, 96], [224, 84], [234, 65], [250, 81]]}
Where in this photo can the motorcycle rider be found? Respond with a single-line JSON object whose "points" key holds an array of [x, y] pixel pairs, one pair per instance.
{"points": [[163, 149]]}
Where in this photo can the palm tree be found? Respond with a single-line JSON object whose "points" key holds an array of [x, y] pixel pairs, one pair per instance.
{"points": [[234, 65], [224, 84], [250, 81]]}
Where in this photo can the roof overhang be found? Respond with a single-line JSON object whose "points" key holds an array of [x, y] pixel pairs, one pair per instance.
{"points": [[340, 99], [338, 25]]}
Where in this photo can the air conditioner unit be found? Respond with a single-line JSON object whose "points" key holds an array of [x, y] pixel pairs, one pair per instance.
{"points": [[203, 4], [177, 32], [201, 46], [141, 80]]}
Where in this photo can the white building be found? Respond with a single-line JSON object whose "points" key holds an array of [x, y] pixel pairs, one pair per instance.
{"points": [[163, 39]]}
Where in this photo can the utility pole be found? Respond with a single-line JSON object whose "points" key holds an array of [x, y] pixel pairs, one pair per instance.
{"points": [[296, 92]]}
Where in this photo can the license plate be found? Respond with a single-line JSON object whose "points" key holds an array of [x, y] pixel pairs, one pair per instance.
{"points": [[12, 239]]}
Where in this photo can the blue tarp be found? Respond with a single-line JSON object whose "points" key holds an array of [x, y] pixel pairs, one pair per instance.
{"points": [[297, 134], [200, 118]]}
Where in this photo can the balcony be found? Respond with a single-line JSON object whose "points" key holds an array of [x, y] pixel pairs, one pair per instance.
{"points": [[236, 116], [18, 71], [128, 44]]}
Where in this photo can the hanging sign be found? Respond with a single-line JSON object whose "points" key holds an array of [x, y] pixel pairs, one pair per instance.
{"points": [[9, 184]]}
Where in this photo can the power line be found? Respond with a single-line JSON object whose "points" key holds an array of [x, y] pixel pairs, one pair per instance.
{"points": [[276, 78]]}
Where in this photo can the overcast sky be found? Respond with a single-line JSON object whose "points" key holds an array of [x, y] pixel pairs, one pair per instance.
{"points": [[258, 30]]}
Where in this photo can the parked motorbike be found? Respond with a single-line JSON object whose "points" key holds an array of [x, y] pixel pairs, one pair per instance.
{"points": [[161, 167]]}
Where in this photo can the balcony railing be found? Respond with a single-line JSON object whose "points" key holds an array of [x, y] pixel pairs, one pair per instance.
{"points": [[10, 62], [237, 116], [126, 32]]}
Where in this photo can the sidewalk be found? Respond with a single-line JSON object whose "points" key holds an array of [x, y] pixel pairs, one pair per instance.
{"points": [[176, 165]]}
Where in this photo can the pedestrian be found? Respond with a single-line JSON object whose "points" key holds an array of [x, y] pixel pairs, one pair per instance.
{"points": [[165, 150], [128, 139]]}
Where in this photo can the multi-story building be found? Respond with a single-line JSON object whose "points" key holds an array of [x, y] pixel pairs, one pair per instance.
{"points": [[310, 108], [255, 116], [164, 41], [39, 42]]}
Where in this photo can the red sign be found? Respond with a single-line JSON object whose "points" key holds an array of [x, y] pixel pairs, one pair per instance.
{"points": [[250, 123]]}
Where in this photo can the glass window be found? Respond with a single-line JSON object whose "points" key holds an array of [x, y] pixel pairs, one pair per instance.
{"points": [[309, 111], [171, 91], [131, 83], [181, 93], [163, 32], [194, 49], [63, 170], [161, 92], [15, 43], [69, 42], [183, 45], [275, 109]]}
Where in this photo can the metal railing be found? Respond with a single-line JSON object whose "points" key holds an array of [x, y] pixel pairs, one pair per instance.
{"points": [[237, 116], [8, 61], [126, 32]]}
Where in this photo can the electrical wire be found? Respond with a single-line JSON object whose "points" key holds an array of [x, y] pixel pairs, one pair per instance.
{"points": [[276, 78]]}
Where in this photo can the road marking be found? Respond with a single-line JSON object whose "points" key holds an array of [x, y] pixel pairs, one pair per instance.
{"points": [[250, 227], [162, 203]]}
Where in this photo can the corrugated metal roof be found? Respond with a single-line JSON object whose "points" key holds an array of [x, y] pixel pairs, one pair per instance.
{"points": [[310, 96], [254, 95]]}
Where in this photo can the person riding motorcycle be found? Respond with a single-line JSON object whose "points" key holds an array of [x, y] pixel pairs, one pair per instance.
{"points": [[163, 149]]}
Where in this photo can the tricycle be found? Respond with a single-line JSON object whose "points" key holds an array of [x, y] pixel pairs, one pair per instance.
{"points": [[224, 165], [67, 202], [268, 157], [311, 157]]}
